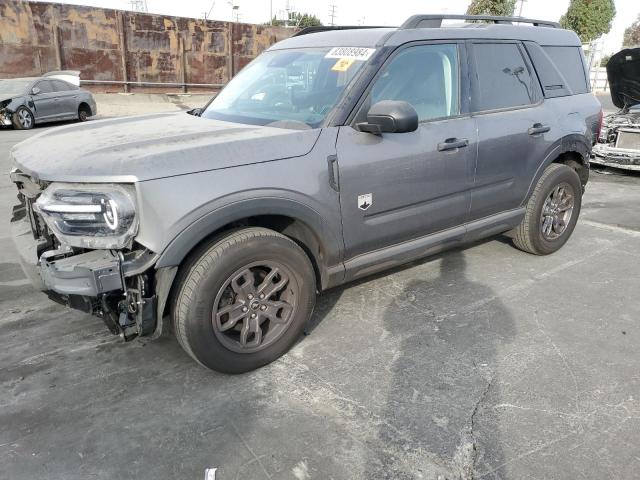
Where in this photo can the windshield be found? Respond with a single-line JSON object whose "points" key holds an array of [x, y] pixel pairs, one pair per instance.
{"points": [[289, 86], [14, 86]]}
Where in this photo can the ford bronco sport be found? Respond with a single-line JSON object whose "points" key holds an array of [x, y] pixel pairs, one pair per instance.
{"points": [[333, 155]]}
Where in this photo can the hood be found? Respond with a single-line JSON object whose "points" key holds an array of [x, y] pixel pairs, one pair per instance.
{"points": [[623, 73], [148, 147], [9, 96]]}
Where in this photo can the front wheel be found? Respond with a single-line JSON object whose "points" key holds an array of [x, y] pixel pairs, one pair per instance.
{"points": [[552, 211], [243, 301], [23, 119]]}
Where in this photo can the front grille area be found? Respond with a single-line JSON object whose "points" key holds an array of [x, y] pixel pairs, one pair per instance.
{"points": [[628, 139]]}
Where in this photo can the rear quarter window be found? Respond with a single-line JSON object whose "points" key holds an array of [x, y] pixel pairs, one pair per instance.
{"points": [[568, 61]]}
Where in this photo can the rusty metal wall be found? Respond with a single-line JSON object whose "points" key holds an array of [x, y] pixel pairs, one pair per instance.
{"points": [[115, 45]]}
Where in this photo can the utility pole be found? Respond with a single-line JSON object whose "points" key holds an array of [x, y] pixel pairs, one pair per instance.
{"points": [[521, 5], [207, 14], [332, 15], [270, 12]]}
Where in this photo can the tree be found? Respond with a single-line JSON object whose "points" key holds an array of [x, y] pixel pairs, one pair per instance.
{"points": [[492, 7], [604, 60], [297, 19], [589, 18], [632, 35]]}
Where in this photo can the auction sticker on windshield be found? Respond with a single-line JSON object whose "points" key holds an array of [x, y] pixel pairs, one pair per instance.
{"points": [[343, 64], [351, 53]]}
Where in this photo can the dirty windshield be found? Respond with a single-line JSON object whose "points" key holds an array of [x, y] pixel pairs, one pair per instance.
{"points": [[289, 87]]}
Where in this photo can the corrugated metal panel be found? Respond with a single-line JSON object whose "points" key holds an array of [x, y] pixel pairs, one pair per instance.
{"points": [[117, 45]]}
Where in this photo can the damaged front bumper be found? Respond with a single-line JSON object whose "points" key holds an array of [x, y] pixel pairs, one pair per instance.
{"points": [[606, 155], [6, 117], [119, 287]]}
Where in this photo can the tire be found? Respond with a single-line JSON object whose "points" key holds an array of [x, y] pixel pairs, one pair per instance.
{"points": [[23, 119], [228, 275], [83, 113], [542, 234]]}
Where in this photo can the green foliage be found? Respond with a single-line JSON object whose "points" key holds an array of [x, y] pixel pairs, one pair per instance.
{"points": [[297, 19], [632, 35], [604, 60], [589, 18], [492, 7]]}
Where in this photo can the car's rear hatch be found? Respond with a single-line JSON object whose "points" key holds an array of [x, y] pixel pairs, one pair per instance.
{"points": [[623, 72]]}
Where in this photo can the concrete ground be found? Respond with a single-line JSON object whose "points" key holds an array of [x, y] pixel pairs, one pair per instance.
{"points": [[485, 362]]}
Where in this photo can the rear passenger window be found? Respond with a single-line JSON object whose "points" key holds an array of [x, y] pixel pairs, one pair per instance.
{"points": [[426, 76], [45, 86], [568, 60], [503, 77], [62, 86]]}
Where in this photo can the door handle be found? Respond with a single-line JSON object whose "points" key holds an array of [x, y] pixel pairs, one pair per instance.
{"points": [[451, 143], [538, 128]]}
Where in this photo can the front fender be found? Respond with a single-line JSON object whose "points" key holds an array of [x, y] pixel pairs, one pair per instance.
{"points": [[262, 203]]}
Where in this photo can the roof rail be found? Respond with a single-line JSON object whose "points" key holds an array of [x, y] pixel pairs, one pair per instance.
{"points": [[307, 30], [435, 21]]}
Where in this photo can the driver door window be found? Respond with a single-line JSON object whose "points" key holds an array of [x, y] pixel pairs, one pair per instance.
{"points": [[425, 76]]}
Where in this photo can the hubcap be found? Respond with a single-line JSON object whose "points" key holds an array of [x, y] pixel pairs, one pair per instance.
{"points": [[255, 306], [24, 118], [557, 211]]}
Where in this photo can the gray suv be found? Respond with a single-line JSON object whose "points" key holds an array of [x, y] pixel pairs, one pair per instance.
{"points": [[333, 155]]}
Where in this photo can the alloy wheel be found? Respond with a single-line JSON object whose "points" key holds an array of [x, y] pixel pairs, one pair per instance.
{"points": [[557, 211], [255, 306], [25, 119]]}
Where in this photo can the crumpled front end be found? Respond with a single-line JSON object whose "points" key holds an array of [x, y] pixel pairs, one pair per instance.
{"points": [[619, 141], [6, 114], [117, 285]]}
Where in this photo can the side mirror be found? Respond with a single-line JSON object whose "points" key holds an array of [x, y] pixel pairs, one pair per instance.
{"points": [[196, 112], [35, 91], [390, 116]]}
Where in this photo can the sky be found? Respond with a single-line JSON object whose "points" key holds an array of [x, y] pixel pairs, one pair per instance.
{"points": [[366, 12]]}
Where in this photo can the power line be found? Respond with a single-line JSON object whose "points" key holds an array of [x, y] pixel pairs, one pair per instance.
{"points": [[207, 14], [332, 14]]}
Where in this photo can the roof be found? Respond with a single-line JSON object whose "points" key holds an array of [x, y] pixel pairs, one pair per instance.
{"points": [[377, 37]]}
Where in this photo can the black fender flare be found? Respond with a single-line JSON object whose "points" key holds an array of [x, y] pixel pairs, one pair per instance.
{"points": [[329, 262], [570, 143]]}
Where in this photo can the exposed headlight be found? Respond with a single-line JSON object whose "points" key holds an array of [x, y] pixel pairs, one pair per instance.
{"points": [[90, 216]]}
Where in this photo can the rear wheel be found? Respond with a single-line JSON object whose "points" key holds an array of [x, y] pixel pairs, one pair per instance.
{"points": [[552, 211], [243, 301], [23, 119], [84, 113]]}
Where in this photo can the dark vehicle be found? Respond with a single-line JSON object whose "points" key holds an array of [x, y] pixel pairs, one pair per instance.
{"points": [[333, 155], [619, 141], [52, 98]]}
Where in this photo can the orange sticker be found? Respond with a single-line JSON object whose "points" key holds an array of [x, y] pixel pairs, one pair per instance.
{"points": [[343, 64]]}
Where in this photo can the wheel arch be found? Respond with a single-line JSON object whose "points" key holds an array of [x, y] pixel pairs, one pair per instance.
{"points": [[84, 105], [291, 218], [572, 150]]}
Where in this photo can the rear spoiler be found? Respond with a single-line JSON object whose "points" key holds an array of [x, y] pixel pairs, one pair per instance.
{"points": [[71, 76]]}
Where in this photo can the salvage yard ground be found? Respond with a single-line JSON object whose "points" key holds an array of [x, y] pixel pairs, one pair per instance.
{"points": [[485, 362]]}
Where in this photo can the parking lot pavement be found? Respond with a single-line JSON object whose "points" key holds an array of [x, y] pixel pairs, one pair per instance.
{"points": [[485, 361]]}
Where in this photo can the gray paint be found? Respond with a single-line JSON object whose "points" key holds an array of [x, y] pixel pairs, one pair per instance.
{"points": [[50, 107], [148, 147], [194, 175]]}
